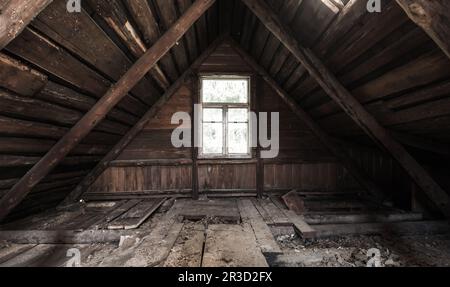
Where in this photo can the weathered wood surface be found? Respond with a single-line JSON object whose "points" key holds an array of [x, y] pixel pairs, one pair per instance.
{"points": [[16, 15], [351, 106], [393, 228], [330, 218], [63, 236], [263, 234], [294, 202], [136, 216], [329, 142], [145, 253], [226, 210], [99, 111], [221, 248], [433, 17], [137, 128], [301, 227]]}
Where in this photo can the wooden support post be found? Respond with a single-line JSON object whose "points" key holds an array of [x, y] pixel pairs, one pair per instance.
{"points": [[116, 93], [433, 17], [256, 97], [138, 127], [16, 15], [194, 130], [329, 142], [350, 105]]}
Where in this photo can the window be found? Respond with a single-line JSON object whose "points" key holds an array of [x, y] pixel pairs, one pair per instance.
{"points": [[225, 128]]}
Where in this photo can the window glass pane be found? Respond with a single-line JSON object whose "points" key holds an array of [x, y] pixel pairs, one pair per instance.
{"points": [[212, 115], [238, 115], [212, 138], [238, 138], [225, 91]]}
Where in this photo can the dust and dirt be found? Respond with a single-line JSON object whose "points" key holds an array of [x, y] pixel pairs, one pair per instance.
{"points": [[352, 251]]}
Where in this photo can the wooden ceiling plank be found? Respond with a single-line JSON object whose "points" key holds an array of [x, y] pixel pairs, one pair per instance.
{"points": [[91, 44], [19, 78], [428, 68], [352, 107], [117, 92], [168, 17], [37, 49], [114, 15], [433, 17], [16, 15], [191, 41], [150, 30]]}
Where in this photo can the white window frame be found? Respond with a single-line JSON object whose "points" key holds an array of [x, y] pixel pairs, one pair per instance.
{"points": [[225, 107]]}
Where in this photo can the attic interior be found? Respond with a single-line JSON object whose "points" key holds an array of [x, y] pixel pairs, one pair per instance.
{"points": [[87, 160]]}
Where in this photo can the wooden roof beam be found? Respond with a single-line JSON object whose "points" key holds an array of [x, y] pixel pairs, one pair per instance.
{"points": [[350, 105], [331, 144], [433, 17], [16, 15], [138, 127], [112, 97]]}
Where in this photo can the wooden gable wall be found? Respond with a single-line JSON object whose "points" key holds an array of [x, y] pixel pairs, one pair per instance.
{"points": [[150, 165]]}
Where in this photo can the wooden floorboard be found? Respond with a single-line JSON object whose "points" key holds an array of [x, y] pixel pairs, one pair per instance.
{"points": [[393, 229], [136, 215], [263, 234], [221, 248]]}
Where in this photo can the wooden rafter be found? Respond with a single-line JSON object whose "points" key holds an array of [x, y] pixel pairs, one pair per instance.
{"points": [[328, 141], [350, 104], [433, 16], [112, 97], [114, 16], [16, 15], [126, 140]]}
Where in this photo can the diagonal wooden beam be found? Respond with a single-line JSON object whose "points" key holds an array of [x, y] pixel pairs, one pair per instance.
{"points": [[103, 106], [350, 105], [433, 16], [126, 140], [327, 140], [16, 15]]}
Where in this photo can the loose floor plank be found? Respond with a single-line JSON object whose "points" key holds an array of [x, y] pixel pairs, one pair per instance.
{"points": [[263, 234], [115, 213], [361, 218], [300, 226], [137, 215], [294, 202], [152, 249], [278, 217]]}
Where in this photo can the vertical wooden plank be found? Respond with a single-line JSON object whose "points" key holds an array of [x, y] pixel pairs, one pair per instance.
{"points": [[195, 82]]}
